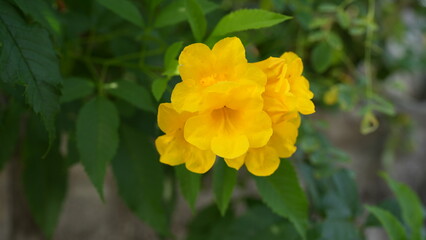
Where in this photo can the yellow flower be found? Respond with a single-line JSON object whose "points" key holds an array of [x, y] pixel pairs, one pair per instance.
{"points": [[286, 89], [172, 146], [201, 69]]}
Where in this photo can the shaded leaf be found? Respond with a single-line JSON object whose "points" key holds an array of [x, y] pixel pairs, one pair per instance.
{"points": [[9, 131], [140, 178], [170, 61], [97, 138], [224, 180], [125, 9], [392, 226], [246, 19], [158, 87], [189, 184], [75, 88], [282, 193], [321, 57], [196, 19], [132, 93], [24, 62]]}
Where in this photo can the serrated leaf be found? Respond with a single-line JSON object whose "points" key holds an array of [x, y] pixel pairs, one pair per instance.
{"points": [[189, 184], [140, 178], [97, 138], [393, 227], [175, 12], [40, 11], [246, 19], [282, 193], [125, 9], [24, 62], [75, 88], [196, 19], [321, 57], [412, 211], [224, 180], [44, 179], [158, 87], [133, 93]]}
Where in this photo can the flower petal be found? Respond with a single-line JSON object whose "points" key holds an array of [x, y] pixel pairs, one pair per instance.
{"points": [[186, 98], [235, 163], [165, 113], [229, 52], [194, 61], [258, 129], [230, 146], [200, 129], [199, 161], [171, 149], [262, 161]]}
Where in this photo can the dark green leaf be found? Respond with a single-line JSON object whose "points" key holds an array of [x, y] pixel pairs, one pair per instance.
{"points": [[321, 57], [170, 62], [133, 93], [158, 87], [9, 132], [41, 12], [412, 211], [189, 183], [282, 193], [392, 226], [97, 138], [196, 19], [224, 180], [339, 229], [125, 9], [175, 12], [246, 19], [75, 88], [25, 62], [140, 178]]}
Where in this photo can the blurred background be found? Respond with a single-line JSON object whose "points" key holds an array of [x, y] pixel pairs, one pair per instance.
{"points": [[366, 63]]}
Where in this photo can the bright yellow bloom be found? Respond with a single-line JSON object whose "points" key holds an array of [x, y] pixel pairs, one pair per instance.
{"points": [[201, 69], [172, 146]]}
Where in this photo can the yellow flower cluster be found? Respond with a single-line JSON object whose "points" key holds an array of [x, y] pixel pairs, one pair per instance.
{"points": [[246, 113]]}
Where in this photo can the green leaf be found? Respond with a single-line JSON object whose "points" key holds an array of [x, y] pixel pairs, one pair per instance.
{"points": [[175, 12], [224, 180], [382, 105], [343, 18], [412, 211], [23, 61], [125, 9], [170, 62], [44, 178], [392, 226], [189, 183], [40, 11], [75, 88], [133, 93], [97, 138], [196, 19], [158, 87], [282, 193], [369, 123], [321, 57], [246, 19], [140, 178], [9, 131], [339, 229]]}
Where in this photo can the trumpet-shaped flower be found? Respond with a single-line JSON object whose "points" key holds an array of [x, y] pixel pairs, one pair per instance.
{"points": [[201, 68], [173, 147]]}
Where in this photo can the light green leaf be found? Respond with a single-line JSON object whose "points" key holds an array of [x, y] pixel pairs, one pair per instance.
{"points": [[25, 62], [382, 105], [246, 19], [392, 226], [322, 56], [189, 183], [170, 62], [133, 93], [175, 12], [97, 138], [412, 211], [282, 193], [343, 18], [75, 88], [158, 87], [41, 12], [196, 19], [224, 180], [125, 9], [140, 178]]}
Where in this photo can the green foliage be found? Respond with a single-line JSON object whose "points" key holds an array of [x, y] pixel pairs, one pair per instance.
{"points": [[196, 19], [133, 93], [281, 191], [390, 223], [23, 62], [75, 88], [224, 180], [9, 123], [189, 183], [97, 138], [125, 9]]}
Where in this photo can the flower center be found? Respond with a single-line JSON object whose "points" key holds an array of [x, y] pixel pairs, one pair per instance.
{"points": [[212, 79]]}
